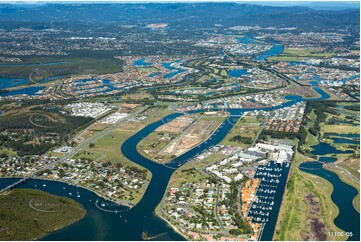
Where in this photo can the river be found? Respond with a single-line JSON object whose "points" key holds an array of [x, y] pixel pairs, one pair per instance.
{"points": [[130, 224]]}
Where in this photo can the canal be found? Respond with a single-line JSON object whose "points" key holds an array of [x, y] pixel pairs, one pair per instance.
{"points": [[107, 221]]}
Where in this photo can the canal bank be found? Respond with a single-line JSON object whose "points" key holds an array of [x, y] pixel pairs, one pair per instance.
{"points": [[132, 224], [342, 195]]}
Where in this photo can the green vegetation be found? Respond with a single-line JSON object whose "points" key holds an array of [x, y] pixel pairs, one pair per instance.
{"points": [[28, 214], [306, 201], [34, 129], [244, 132], [7, 152], [305, 193], [107, 148], [299, 54], [186, 174], [154, 143], [68, 65], [147, 69], [210, 82], [232, 201]]}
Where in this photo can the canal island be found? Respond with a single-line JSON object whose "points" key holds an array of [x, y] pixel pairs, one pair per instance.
{"points": [[180, 121]]}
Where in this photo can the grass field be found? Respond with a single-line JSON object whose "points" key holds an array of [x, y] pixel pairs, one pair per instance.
{"points": [[332, 95], [136, 96], [107, 148], [28, 214], [350, 163], [297, 214], [338, 128], [212, 158], [154, 143], [246, 127], [298, 55], [8, 152], [293, 222], [147, 69]]}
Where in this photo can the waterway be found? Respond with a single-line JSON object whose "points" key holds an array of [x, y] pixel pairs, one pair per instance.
{"points": [[275, 50], [175, 71], [246, 40], [8, 82], [108, 84], [269, 193], [237, 72], [345, 141], [27, 90], [342, 195], [323, 148], [129, 225], [141, 62]]}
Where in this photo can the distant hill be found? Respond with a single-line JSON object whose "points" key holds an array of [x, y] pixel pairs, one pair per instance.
{"points": [[190, 15], [324, 5]]}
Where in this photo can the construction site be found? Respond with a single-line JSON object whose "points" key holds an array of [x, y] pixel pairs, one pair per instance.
{"points": [[178, 136]]}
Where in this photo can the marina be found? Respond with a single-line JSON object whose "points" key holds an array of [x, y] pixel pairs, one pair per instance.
{"points": [[180, 121], [141, 218], [264, 209]]}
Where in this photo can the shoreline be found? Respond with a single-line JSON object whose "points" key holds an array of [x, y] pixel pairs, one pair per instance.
{"points": [[282, 201], [66, 225], [342, 178], [71, 184], [169, 224], [57, 229]]}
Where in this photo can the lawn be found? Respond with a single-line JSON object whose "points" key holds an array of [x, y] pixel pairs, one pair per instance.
{"points": [[246, 127], [185, 174], [212, 158], [153, 144], [299, 54], [306, 53], [136, 96], [350, 163], [338, 128], [147, 69], [285, 58], [28, 214]]}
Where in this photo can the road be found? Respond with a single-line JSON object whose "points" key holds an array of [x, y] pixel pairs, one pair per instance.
{"points": [[260, 131], [74, 150], [216, 211]]}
